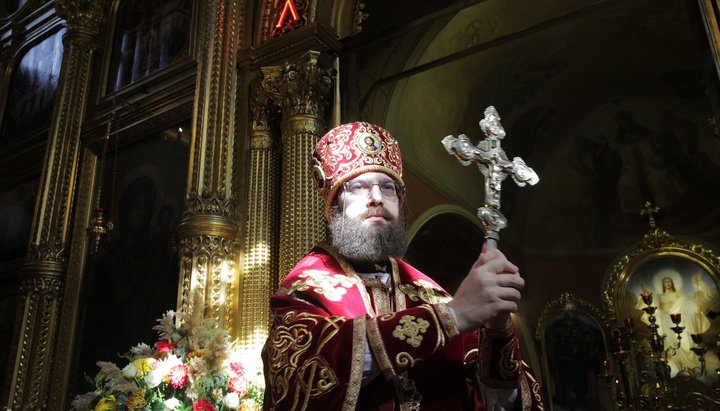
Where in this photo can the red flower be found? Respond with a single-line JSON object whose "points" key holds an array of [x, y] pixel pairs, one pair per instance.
{"points": [[238, 385], [178, 376], [164, 346], [238, 369], [203, 405]]}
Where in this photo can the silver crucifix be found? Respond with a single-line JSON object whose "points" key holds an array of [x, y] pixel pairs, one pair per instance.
{"points": [[495, 166]]}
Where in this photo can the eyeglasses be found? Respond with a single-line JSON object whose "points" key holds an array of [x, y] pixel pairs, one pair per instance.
{"points": [[388, 188]]}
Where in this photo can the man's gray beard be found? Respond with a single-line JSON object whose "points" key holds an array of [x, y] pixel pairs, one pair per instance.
{"points": [[357, 242]]}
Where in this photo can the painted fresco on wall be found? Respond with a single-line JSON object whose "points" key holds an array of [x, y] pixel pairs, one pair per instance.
{"points": [[150, 35], [32, 90], [133, 279]]}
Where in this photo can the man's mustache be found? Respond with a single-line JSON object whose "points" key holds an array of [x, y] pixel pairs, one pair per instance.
{"points": [[378, 211]]}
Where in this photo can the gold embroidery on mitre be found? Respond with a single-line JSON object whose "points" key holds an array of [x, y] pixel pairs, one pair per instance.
{"points": [[425, 291], [333, 287], [410, 330]]}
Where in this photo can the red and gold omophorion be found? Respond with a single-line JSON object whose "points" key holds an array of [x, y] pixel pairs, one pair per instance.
{"points": [[324, 314]]}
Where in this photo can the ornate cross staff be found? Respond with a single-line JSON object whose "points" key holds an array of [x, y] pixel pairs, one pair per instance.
{"points": [[495, 167]]}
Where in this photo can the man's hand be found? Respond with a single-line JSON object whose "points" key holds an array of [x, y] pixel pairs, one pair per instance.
{"points": [[488, 294]]}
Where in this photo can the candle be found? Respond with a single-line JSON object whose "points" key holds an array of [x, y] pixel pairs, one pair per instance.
{"points": [[676, 318], [697, 338], [647, 297], [629, 323]]}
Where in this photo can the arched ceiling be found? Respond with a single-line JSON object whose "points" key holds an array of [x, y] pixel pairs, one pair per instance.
{"points": [[607, 100]]}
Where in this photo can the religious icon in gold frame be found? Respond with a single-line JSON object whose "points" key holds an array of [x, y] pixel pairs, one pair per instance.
{"points": [[662, 296]]}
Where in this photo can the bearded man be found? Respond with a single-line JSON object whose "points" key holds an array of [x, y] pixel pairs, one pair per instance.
{"points": [[356, 327]]}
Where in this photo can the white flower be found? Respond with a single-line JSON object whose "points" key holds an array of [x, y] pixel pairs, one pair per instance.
{"points": [[130, 371], [154, 378], [172, 403], [162, 368], [232, 400]]}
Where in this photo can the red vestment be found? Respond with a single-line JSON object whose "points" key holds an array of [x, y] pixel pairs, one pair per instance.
{"points": [[323, 314]]}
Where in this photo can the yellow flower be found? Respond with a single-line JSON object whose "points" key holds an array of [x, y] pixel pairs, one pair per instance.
{"points": [[136, 401], [196, 353], [144, 365], [108, 403]]}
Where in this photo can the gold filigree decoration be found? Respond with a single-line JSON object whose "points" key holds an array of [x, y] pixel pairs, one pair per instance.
{"points": [[425, 291], [359, 16], [333, 287], [82, 15], [404, 359], [410, 330], [316, 377], [509, 365], [293, 336], [287, 344], [210, 203], [46, 253]]}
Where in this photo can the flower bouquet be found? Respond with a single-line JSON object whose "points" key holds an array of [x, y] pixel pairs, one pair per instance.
{"points": [[190, 367]]}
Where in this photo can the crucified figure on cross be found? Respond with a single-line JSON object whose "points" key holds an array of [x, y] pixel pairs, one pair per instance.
{"points": [[495, 167]]}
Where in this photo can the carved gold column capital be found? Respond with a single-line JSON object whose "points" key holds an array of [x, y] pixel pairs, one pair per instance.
{"points": [[301, 87], [84, 17], [264, 111]]}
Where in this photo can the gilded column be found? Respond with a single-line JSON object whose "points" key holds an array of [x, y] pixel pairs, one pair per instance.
{"points": [[302, 91], [207, 231], [43, 273], [259, 275]]}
